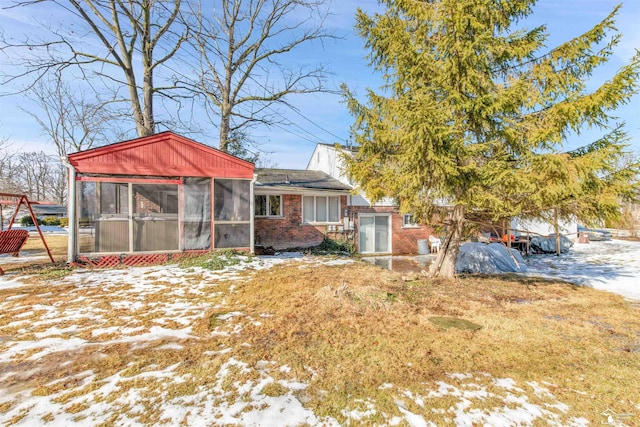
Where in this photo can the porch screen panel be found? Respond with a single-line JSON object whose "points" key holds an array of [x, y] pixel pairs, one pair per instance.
{"points": [[232, 235], [232, 208], [197, 213], [103, 210], [155, 217]]}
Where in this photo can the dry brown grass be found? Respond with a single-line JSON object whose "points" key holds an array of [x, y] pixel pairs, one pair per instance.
{"points": [[361, 327], [345, 331], [57, 244]]}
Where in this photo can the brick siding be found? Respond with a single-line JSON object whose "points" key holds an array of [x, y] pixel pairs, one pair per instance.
{"points": [[404, 240], [288, 231]]}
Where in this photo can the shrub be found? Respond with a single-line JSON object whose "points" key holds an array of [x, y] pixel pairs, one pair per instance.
{"points": [[50, 220], [56, 272], [64, 222], [339, 246], [26, 221], [216, 260]]}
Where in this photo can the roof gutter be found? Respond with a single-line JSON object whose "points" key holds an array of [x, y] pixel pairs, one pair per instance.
{"points": [[289, 189]]}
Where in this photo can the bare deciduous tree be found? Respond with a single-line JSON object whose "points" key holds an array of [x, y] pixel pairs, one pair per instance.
{"points": [[35, 168], [9, 177], [131, 40], [57, 184], [38, 175], [5, 154], [240, 145], [242, 45], [70, 120]]}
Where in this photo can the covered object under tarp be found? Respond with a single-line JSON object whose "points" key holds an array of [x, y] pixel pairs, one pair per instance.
{"points": [[159, 194], [493, 258]]}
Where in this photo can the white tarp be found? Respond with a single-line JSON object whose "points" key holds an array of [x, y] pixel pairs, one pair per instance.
{"points": [[543, 228]]}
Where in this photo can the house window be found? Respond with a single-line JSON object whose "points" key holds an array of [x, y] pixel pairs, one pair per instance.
{"points": [[268, 205], [408, 221], [321, 209]]}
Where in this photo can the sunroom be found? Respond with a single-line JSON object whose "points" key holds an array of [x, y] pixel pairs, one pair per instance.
{"points": [[160, 194]]}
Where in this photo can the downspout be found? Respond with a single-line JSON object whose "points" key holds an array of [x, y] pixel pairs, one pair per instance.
{"points": [[71, 210], [347, 229], [252, 201]]}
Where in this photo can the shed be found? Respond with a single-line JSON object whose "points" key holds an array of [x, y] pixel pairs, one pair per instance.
{"points": [[159, 194]]}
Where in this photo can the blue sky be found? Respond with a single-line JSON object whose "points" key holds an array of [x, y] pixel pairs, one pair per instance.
{"points": [[323, 117]]}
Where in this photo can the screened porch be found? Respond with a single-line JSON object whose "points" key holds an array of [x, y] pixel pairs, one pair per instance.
{"points": [[119, 215]]}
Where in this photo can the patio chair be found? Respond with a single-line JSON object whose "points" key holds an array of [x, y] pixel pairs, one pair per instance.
{"points": [[434, 244]]}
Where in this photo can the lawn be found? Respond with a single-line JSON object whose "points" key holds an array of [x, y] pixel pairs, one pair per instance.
{"points": [[312, 341], [34, 254]]}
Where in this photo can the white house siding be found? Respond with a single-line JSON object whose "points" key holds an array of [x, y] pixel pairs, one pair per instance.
{"points": [[535, 226], [326, 158]]}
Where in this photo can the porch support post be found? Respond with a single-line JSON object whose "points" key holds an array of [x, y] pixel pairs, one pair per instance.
{"points": [[212, 210], [181, 208], [71, 211], [251, 216], [132, 207]]}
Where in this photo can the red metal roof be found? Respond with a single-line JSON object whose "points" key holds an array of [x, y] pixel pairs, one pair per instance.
{"points": [[162, 154]]}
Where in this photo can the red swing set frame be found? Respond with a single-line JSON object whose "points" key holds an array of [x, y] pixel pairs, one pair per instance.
{"points": [[11, 241]]}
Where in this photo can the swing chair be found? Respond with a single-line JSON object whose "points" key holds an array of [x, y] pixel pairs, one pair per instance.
{"points": [[12, 241]]}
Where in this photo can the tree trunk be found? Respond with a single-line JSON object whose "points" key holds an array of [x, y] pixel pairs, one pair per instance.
{"points": [[148, 124], [225, 119], [445, 263], [556, 230]]}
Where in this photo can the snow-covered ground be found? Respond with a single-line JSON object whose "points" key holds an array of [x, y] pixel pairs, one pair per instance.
{"points": [[40, 324], [50, 229], [610, 265]]}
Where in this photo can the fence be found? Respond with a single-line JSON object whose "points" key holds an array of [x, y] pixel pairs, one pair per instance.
{"points": [[623, 233]]}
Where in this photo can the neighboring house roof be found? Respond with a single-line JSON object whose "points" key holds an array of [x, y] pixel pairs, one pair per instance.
{"points": [[45, 210], [298, 179], [162, 154]]}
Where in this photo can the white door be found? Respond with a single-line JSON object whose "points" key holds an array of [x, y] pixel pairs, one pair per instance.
{"points": [[374, 233]]}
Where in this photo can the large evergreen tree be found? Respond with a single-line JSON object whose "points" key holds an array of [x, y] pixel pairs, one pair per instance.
{"points": [[471, 107]]}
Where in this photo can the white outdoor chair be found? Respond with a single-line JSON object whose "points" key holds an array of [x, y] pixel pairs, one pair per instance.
{"points": [[434, 244]]}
